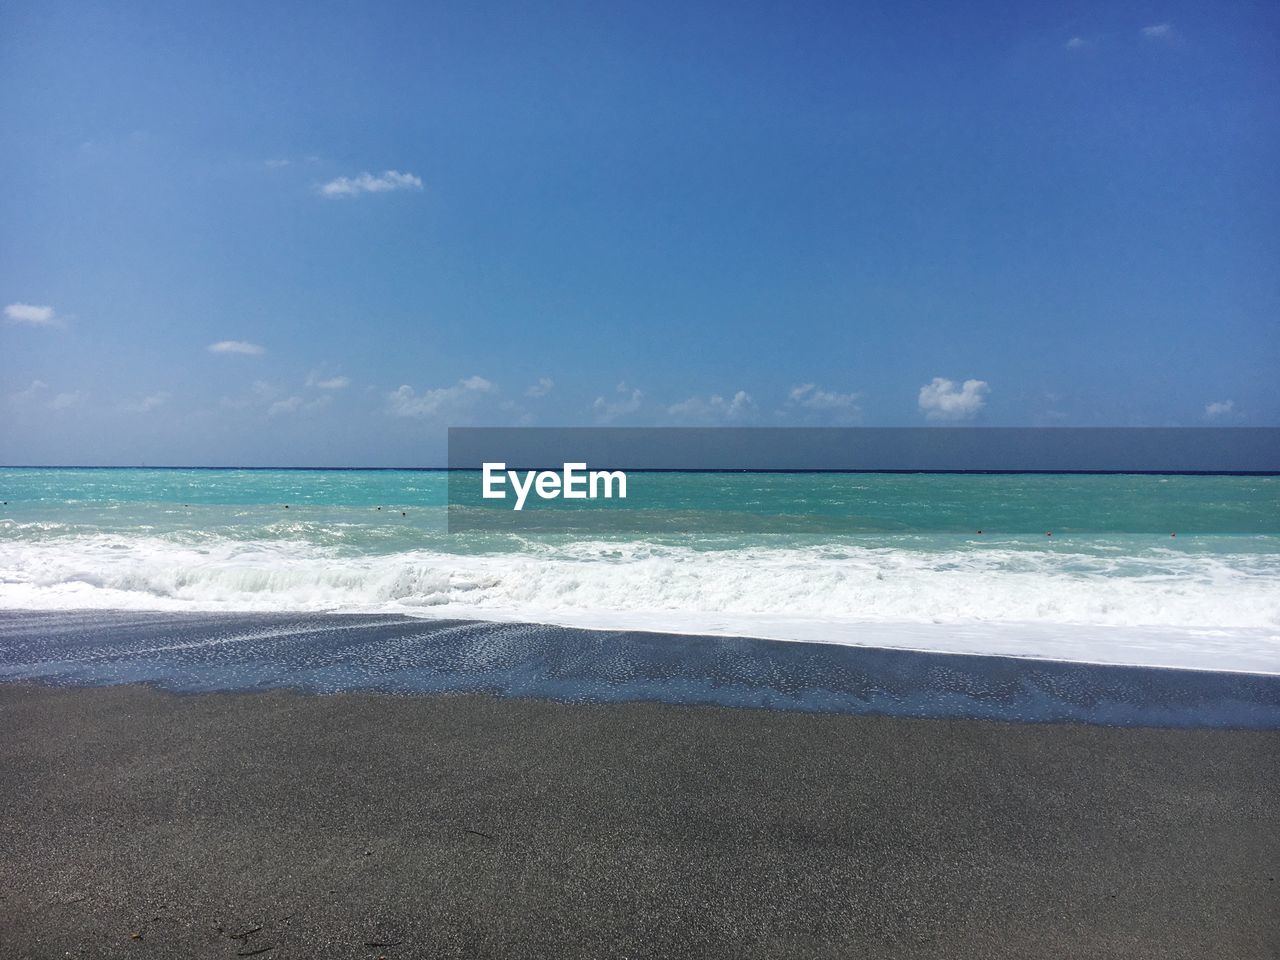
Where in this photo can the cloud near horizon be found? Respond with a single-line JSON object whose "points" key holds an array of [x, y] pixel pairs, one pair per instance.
{"points": [[33, 315], [385, 182], [29, 393], [1161, 33], [540, 389], [463, 395], [321, 382], [148, 403], [259, 394], [1216, 409], [242, 347], [943, 399], [823, 405], [713, 409], [66, 400], [297, 404], [39, 390], [628, 401]]}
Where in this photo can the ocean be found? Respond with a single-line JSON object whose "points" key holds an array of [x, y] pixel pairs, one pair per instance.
{"points": [[880, 560]]}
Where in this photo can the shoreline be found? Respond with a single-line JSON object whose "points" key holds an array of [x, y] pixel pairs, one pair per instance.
{"points": [[328, 653], [888, 635], [472, 825]]}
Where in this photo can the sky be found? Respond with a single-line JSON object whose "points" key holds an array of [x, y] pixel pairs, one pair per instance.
{"points": [[286, 234]]}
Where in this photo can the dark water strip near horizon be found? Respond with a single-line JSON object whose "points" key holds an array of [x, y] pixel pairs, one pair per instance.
{"points": [[331, 653]]}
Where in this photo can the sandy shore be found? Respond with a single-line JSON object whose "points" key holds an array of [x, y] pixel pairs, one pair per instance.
{"points": [[137, 823]]}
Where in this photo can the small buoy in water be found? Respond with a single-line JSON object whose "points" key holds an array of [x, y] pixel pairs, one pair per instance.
{"points": [[1048, 533], [403, 514], [379, 508], [286, 506], [979, 531], [1173, 534]]}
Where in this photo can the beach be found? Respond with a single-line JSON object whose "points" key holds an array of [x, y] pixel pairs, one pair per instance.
{"points": [[294, 714], [137, 822]]}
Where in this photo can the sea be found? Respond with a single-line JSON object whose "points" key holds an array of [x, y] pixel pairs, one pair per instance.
{"points": [[1178, 571]]}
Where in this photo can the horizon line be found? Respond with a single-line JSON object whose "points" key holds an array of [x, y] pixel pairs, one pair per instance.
{"points": [[804, 470]]}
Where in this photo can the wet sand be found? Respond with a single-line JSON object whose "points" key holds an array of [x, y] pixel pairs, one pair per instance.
{"points": [[191, 652], [138, 823]]}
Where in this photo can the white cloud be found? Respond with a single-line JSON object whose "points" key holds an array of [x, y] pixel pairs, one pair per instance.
{"points": [[540, 389], [627, 401], [1219, 408], [811, 396], [944, 399], [32, 315], [516, 414], [38, 390], [147, 404], [1050, 411], [237, 346], [1161, 33], [385, 182], [316, 379], [280, 163], [713, 409], [441, 401], [258, 395], [1076, 43], [297, 405], [819, 404], [287, 405], [268, 397], [30, 393]]}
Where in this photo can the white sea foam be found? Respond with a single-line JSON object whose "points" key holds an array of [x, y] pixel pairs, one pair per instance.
{"points": [[1163, 607]]}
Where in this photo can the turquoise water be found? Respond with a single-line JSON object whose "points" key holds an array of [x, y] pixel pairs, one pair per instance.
{"points": [[167, 499], [824, 556]]}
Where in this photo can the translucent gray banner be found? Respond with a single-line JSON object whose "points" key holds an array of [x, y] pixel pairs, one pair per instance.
{"points": [[604, 481]]}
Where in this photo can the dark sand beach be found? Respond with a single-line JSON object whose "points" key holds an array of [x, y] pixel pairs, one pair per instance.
{"points": [[142, 823]]}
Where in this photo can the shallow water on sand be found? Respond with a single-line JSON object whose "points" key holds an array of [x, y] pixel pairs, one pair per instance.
{"points": [[336, 652]]}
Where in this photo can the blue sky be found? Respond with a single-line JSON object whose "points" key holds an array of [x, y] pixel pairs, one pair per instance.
{"points": [[320, 234]]}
